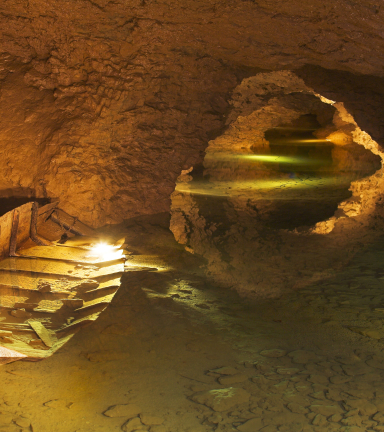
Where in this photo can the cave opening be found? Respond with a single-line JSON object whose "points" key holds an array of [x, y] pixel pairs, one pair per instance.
{"points": [[295, 181], [290, 175], [298, 141]]}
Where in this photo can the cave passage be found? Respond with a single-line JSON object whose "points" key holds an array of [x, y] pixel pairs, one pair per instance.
{"points": [[207, 253], [295, 181], [302, 153]]}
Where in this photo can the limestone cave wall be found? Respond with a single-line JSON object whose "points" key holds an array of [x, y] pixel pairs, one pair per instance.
{"points": [[103, 104]]}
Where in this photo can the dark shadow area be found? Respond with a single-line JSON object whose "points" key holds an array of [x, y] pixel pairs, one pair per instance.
{"points": [[298, 143], [12, 198], [308, 160]]}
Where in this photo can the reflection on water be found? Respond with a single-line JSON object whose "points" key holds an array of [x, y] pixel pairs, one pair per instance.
{"points": [[261, 187], [298, 180]]}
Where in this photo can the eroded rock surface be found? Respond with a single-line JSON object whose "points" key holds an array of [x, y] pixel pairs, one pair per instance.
{"points": [[268, 219], [104, 103]]}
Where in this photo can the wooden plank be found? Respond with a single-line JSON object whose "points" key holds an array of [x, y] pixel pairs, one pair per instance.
{"points": [[59, 268], [20, 326], [26, 286], [19, 291], [70, 274], [68, 254], [33, 227], [99, 277], [37, 266], [72, 223], [42, 332], [25, 212], [100, 292], [88, 308], [46, 211], [5, 235], [73, 303], [45, 311], [76, 325], [57, 252], [105, 299], [14, 232], [23, 228], [29, 352], [16, 328], [7, 355], [49, 230]]}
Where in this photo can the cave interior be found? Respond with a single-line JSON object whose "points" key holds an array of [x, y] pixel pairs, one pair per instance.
{"points": [[191, 216]]}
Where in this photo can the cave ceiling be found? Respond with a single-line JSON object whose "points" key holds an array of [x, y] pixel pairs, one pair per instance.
{"points": [[103, 103]]}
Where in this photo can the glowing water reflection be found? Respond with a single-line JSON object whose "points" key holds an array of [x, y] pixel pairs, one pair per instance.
{"points": [[229, 188], [266, 158]]}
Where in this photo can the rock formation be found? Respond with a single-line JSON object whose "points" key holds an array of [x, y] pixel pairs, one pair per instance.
{"points": [[261, 226], [103, 104], [108, 101]]}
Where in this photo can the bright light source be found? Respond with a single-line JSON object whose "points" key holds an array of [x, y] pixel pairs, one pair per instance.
{"points": [[106, 252]]}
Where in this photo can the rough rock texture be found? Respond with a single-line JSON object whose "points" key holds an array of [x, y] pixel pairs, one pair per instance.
{"points": [[222, 399], [103, 162], [104, 103], [234, 216]]}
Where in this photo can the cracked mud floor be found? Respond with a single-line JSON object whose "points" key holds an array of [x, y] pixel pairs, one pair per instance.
{"points": [[173, 353]]}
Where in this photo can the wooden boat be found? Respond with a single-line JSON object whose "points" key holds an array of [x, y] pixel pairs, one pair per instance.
{"points": [[55, 277]]}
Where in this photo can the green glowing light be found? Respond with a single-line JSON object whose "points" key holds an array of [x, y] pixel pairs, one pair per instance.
{"points": [[230, 188], [270, 158], [263, 158], [283, 159]]}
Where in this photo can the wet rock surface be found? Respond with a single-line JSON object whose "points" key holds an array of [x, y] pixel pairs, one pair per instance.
{"points": [[104, 103], [304, 369]]}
